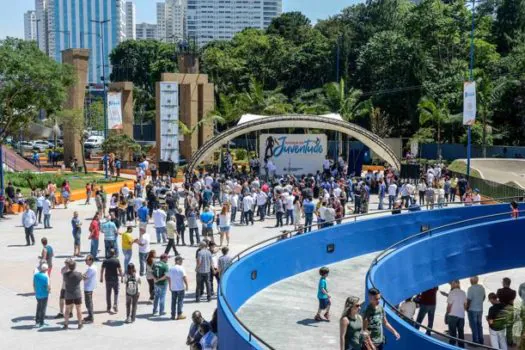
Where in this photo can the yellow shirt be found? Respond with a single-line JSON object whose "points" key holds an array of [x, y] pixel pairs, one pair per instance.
{"points": [[127, 241], [171, 229]]}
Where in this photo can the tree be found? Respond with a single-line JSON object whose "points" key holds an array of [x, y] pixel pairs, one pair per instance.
{"points": [[29, 82], [379, 124], [120, 144], [292, 26], [434, 114], [95, 115], [73, 120], [510, 22]]}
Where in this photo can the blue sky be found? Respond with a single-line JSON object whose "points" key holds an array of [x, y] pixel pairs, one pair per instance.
{"points": [[12, 15]]}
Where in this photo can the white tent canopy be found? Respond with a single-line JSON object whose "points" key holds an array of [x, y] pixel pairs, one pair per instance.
{"points": [[252, 117]]}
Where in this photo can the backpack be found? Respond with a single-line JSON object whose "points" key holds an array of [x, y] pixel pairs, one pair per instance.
{"points": [[132, 287]]}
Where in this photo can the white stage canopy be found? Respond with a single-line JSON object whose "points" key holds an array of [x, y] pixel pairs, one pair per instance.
{"points": [[251, 117]]}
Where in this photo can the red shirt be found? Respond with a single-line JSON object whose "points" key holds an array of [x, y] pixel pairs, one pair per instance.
{"points": [[94, 228], [428, 297]]}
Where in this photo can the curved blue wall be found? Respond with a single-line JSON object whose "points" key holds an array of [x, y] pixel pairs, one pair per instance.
{"points": [[290, 257], [454, 254]]}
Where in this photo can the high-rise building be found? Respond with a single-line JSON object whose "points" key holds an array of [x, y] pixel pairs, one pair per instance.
{"points": [[170, 20], [145, 31], [42, 23], [30, 25], [208, 20], [71, 25], [130, 20]]}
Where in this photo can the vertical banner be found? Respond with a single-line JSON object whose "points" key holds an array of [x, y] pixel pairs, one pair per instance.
{"points": [[169, 122], [469, 103], [114, 110], [293, 153]]}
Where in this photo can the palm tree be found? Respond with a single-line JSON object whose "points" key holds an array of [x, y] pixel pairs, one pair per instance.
{"points": [[435, 114]]}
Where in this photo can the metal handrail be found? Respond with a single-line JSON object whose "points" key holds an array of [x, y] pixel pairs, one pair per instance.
{"points": [[238, 256], [400, 243]]}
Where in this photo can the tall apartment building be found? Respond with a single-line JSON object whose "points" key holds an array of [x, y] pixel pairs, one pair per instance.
{"points": [[170, 20], [70, 26], [30, 26], [42, 23], [145, 31], [208, 20], [130, 20]]}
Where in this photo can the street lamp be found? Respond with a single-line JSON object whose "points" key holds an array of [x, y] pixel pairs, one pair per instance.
{"points": [[101, 36], [471, 78]]}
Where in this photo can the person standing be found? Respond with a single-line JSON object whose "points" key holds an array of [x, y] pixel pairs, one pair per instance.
{"points": [[427, 305], [94, 235], [456, 305], [42, 288], [374, 320], [159, 220], [171, 230], [160, 274], [40, 206], [224, 261], [392, 194], [132, 282], [111, 271], [144, 248], [109, 229], [29, 222], [496, 319], [193, 225], [46, 210], [224, 224], [47, 255], [89, 190], [127, 245], [381, 194], [308, 209], [73, 294], [90, 283], [261, 199], [207, 218], [475, 299], [181, 227], [76, 230], [323, 312], [247, 204], [506, 296], [178, 283], [279, 211], [204, 263]]}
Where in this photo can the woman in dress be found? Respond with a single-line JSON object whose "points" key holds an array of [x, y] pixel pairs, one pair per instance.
{"points": [[66, 191], [297, 213]]}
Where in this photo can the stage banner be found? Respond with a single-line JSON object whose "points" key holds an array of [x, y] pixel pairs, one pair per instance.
{"points": [[169, 122], [293, 153], [469, 103], [114, 110]]}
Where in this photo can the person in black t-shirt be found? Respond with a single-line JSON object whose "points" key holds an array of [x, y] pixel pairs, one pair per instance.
{"points": [[506, 296], [497, 323], [73, 294], [111, 271]]}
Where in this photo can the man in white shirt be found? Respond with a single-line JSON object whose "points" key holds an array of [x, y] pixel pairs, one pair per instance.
{"points": [[178, 286], [289, 208], [90, 283], [326, 166], [144, 248], [456, 305], [125, 191], [261, 199], [159, 220], [234, 201], [247, 204], [392, 194], [208, 180], [29, 222], [46, 210]]}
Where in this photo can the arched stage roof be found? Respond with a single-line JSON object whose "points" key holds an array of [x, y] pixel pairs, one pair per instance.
{"points": [[334, 122]]}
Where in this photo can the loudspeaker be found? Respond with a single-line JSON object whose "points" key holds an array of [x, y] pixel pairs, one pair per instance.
{"points": [[167, 168]]}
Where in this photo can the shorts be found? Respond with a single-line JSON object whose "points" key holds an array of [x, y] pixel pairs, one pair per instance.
{"points": [[65, 195], [62, 293], [224, 229], [324, 303], [77, 301], [76, 239], [142, 225], [207, 231]]}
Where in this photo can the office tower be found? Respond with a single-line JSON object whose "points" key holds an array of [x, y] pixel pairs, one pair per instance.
{"points": [[145, 31], [130, 20], [170, 20], [30, 26], [208, 20], [71, 26], [42, 25]]}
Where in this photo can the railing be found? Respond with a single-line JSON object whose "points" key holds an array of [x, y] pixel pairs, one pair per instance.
{"points": [[491, 188], [417, 236], [289, 234]]}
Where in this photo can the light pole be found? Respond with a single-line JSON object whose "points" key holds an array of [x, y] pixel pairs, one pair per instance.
{"points": [[471, 78], [101, 23]]}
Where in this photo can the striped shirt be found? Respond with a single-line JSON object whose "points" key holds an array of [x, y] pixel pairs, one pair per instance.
{"points": [[204, 261]]}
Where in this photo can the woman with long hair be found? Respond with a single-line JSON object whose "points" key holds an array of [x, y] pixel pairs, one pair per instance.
{"points": [[297, 212], [150, 261], [224, 224], [66, 191], [351, 326]]}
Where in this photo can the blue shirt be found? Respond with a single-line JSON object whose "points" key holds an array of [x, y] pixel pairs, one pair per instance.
{"points": [[308, 207], [207, 219], [75, 222], [207, 195], [41, 282], [322, 285], [143, 214], [109, 230]]}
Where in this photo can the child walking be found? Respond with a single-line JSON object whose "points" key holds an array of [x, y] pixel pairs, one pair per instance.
{"points": [[132, 292], [323, 314]]}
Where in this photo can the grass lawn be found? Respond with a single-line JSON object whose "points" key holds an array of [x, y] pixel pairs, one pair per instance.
{"points": [[460, 166], [76, 180]]}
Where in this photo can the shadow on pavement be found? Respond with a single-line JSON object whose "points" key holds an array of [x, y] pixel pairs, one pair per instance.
{"points": [[23, 327], [113, 323], [50, 329], [17, 245], [30, 294], [23, 318], [309, 322]]}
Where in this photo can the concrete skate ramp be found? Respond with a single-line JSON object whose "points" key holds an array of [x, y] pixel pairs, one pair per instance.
{"points": [[505, 171], [453, 254], [266, 266]]}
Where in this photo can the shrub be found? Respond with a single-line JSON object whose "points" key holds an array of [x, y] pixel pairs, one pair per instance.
{"points": [[240, 154], [29, 180]]}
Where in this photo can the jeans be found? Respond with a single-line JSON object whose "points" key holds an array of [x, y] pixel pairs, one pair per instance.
{"points": [[423, 310], [308, 221], [248, 217], [476, 325], [127, 257], [161, 234], [122, 217], [456, 327], [108, 245], [262, 211], [112, 286], [234, 213], [130, 214], [39, 214], [391, 200], [160, 298], [357, 204], [289, 216], [177, 302], [41, 306], [202, 279], [421, 197], [279, 219], [88, 297], [94, 248], [131, 306], [171, 244], [196, 231], [498, 339], [47, 219], [30, 237], [181, 230], [142, 263], [380, 206]]}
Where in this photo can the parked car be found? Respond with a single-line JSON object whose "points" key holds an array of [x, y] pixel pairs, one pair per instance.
{"points": [[41, 145], [94, 142], [60, 142], [24, 146]]}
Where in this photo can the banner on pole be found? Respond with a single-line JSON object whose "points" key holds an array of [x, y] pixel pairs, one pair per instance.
{"points": [[169, 122], [469, 103], [293, 153], [114, 110]]}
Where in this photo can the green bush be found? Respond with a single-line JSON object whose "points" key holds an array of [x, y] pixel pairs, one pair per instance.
{"points": [[31, 201], [240, 154], [28, 179]]}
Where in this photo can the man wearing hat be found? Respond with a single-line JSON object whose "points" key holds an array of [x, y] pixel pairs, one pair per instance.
{"points": [[178, 283], [42, 288]]}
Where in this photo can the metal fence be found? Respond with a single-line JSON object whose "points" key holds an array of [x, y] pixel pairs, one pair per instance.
{"points": [[493, 189]]}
